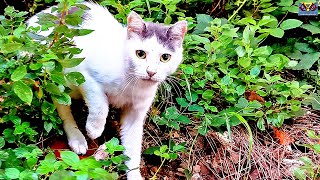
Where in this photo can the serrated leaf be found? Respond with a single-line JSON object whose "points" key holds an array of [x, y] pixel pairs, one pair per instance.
{"points": [[23, 91], [290, 24], [19, 73]]}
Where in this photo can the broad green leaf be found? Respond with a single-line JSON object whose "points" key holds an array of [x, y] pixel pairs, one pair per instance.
{"points": [[12, 173], [183, 119], [19, 73], [203, 21], [277, 32], [69, 63], [10, 47], [313, 29], [299, 174], [255, 71], [75, 78], [64, 99], [240, 51], [207, 94], [244, 62], [285, 3], [290, 24], [226, 80], [307, 61], [240, 89], [195, 107], [70, 158], [58, 78], [52, 88], [182, 102], [23, 91]]}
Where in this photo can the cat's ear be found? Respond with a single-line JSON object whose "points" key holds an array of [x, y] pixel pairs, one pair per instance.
{"points": [[135, 24], [179, 29]]}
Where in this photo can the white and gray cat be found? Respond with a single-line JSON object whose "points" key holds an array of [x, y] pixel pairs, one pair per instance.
{"points": [[123, 68]]}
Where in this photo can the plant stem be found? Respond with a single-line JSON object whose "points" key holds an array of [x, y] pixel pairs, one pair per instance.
{"points": [[155, 174], [237, 10]]}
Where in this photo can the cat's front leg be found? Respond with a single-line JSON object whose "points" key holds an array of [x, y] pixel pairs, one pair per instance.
{"points": [[98, 106], [132, 120]]}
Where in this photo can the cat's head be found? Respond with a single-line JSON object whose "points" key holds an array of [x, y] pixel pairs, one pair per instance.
{"points": [[154, 51]]}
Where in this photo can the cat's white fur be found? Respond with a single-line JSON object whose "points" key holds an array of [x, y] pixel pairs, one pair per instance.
{"points": [[108, 51]]}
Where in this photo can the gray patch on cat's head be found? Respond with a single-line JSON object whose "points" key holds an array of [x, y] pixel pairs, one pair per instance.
{"points": [[162, 33]]}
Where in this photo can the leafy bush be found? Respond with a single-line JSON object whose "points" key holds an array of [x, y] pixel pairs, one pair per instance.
{"points": [[250, 62]]}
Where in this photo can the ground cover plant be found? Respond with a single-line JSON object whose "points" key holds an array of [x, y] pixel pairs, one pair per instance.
{"points": [[252, 64]]}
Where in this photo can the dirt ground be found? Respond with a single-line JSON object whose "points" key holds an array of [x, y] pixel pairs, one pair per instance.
{"points": [[274, 155]]}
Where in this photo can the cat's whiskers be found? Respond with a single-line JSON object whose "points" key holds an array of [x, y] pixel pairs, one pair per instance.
{"points": [[129, 79]]}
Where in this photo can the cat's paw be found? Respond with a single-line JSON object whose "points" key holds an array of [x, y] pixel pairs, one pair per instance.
{"points": [[78, 144], [134, 175], [94, 129]]}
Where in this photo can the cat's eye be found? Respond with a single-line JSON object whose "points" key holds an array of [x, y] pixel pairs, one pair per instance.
{"points": [[141, 54], [165, 57]]}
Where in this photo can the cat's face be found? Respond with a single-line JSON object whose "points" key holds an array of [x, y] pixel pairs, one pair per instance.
{"points": [[154, 51]]}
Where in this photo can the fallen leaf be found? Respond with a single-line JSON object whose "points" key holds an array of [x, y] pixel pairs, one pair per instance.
{"points": [[252, 95], [283, 137]]}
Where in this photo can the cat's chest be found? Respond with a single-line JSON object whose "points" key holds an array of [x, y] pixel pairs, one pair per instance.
{"points": [[130, 97]]}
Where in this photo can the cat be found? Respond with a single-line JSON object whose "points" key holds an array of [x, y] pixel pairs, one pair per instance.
{"points": [[123, 68]]}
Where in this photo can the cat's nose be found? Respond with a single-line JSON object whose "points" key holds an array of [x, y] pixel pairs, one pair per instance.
{"points": [[151, 73]]}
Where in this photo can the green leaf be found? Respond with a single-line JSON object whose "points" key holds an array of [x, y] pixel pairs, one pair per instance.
{"points": [[240, 89], [58, 78], [69, 63], [226, 80], [255, 71], [304, 47], [313, 29], [52, 88], [203, 21], [195, 107], [64, 99], [10, 47], [290, 24], [23, 91], [242, 103], [183, 119], [285, 3], [48, 126], [2, 142], [299, 174], [70, 158], [208, 94], [19, 73], [277, 32], [307, 61], [182, 102], [240, 51], [244, 62], [188, 70], [75, 78], [12, 173]]}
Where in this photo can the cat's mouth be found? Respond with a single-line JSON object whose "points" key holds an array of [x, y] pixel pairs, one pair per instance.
{"points": [[149, 80]]}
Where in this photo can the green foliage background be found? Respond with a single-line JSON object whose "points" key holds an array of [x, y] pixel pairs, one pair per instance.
{"points": [[239, 47]]}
